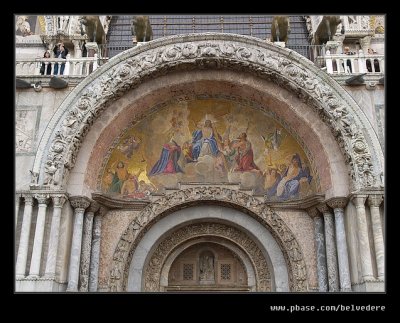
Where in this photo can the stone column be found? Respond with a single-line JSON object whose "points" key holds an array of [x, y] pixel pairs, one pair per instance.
{"points": [[331, 260], [365, 43], [17, 201], [95, 256], [86, 246], [58, 202], [320, 248], [338, 204], [22, 255], [79, 203], [92, 49], [43, 200], [374, 201], [363, 241]]}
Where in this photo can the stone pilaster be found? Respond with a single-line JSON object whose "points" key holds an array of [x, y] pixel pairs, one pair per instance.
{"points": [[17, 202], [362, 234], [79, 203], [58, 202], [338, 204], [331, 259], [320, 248], [43, 200], [374, 201], [22, 256], [86, 246], [95, 255]]}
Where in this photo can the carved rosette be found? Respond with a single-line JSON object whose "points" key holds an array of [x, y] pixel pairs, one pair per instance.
{"points": [[153, 270], [184, 198], [236, 53]]}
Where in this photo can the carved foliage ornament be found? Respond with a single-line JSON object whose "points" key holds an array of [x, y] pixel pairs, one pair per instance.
{"points": [[263, 62], [153, 270], [261, 212]]}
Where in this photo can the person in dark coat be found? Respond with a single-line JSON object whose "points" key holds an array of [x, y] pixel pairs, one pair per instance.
{"points": [[60, 52], [43, 67]]}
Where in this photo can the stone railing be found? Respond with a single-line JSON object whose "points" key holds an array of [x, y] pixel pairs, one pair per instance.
{"points": [[73, 66], [350, 64]]}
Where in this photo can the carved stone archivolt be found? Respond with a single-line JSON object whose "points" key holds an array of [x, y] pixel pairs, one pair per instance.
{"points": [[153, 271], [192, 196], [288, 69]]}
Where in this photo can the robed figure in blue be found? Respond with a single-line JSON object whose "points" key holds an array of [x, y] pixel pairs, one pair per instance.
{"points": [[204, 141], [168, 162]]}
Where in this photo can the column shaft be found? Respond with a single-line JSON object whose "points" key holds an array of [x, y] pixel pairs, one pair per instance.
{"points": [[22, 256], [38, 240], [374, 202], [321, 255], [17, 201], [86, 248], [94, 259], [331, 259]]}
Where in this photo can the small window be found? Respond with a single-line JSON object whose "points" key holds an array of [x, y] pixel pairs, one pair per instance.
{"points": [[226, 271], [187, 271]]}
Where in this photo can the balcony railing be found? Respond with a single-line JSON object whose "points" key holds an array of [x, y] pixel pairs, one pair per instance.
{"points": [[348, 64], [73, 66]]}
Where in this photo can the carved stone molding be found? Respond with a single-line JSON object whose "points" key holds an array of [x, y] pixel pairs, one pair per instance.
{"points": [[79, 202], [375, 200], [197, 195], [42, 198], [153, 271], [28, 199], [68, 127], [337, 202]]}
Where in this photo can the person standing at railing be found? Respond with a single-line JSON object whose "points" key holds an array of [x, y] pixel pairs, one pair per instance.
{"points": [[43, 68], [348, 63], [60, 51]]}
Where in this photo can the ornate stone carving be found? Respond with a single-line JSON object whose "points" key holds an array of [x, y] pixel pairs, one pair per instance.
{"points": [[79, 202], [94, 207], [59, 200], [183, 198], [313, 212], [205, 51], [42, 198], [28, 199], [161, 253], [337, 202], [323, 208], [375, 200]]}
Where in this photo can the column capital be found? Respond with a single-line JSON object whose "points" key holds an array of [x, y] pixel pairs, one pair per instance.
{"points": [[42, 198], [313, 212], [337, 202], [375, 200], [59, 199], [94, 207], [323, 208], [359, 199], [79, 202], [102, 210], [28, 198]]}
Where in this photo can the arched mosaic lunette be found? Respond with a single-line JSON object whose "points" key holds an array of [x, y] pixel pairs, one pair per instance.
{"points": [[185, 198], [69, 125]]}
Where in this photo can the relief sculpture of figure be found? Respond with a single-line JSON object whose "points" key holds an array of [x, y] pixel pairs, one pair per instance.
{"points": [[207, 268]]}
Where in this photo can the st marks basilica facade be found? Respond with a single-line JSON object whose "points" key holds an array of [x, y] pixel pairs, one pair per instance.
{"points": [[185, 153]]}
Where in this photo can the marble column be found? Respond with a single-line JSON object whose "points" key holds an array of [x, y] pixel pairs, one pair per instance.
{"points": [[362, 234], [374, 201], [79, 203], [338, 204], [22, 255], [86, 246], [17, 201], [58, 202], [331, 259], [320, 248], [95, 255], [43, 200]]}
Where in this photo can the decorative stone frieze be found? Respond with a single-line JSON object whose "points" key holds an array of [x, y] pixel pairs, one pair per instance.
{"points": [[71, 123], [162, 251], [197, 195]]}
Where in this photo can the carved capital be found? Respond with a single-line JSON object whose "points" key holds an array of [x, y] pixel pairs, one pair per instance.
{"points": [[375, 200], [313, 212], [42, 198], [323, 208], [28, 199], [102, 211], [79, 202], [359, 200], [337, 202], [94, 207], [59, 200]]}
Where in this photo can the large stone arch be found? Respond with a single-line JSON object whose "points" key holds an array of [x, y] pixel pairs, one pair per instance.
{"points": [[185, 198], [61, 141]]}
